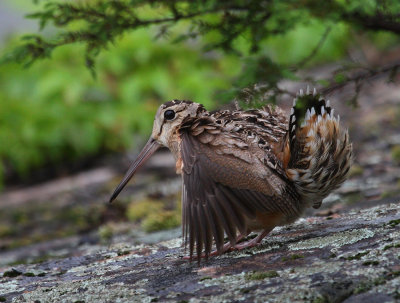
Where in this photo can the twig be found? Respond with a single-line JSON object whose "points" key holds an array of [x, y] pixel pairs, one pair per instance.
{"points": [[315, 49], [375, 22], [361, 76]]}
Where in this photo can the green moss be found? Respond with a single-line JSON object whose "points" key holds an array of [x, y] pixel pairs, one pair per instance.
{"points": [[396, 154], [29, 274], [79, 218], [292, 257], [153, 215], [370, 262], [205, 278], [356, 170], [141, 210], [357, 256], [365, 286], [362, 287], [393, 223], [12, 273], [20, 216], [42, 259], [160, 221], [2, 299], [395, 273], [18, 262], [320, 300], [7, 231], [391, 246], [262, 275], [105, 233], [352, 198], [379, 281], [45, 221], [388, 247], [123, 253]]}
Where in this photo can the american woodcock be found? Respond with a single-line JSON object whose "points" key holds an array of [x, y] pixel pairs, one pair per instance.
{"points": [[249, 170]]}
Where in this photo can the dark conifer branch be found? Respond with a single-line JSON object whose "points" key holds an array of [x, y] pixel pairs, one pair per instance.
{"points": [[103, 21]]}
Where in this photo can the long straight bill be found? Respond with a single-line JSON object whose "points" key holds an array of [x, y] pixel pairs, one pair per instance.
{"points": [[149, 149]]}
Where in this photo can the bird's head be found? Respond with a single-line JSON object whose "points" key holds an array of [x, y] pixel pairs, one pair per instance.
{"points": [[170, 117]]}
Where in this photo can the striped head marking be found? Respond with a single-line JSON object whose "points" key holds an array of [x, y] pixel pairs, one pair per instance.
{"points": [[169, 118]]}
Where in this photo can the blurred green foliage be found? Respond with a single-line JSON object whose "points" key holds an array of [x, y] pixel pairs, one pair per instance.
{"points": [[55, 111]]}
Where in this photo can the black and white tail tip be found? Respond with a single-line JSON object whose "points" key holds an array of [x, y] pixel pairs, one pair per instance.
{"points": [[309, 107]]}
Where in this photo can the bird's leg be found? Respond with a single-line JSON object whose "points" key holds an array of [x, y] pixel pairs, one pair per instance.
{"points": [[227, 246], [253, 242]]}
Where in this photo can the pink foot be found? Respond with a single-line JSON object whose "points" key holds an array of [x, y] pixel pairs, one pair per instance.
{"points": [[227, 247], [247, 244], [254, 242]]}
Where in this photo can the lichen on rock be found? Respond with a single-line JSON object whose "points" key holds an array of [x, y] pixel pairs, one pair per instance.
{"points": [[348, 258]]}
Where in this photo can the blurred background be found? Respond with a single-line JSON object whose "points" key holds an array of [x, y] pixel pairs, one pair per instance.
{"points": [[67, 137]]}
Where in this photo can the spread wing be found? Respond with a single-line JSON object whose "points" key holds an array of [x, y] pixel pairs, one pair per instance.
{"points": [[220, 197]]}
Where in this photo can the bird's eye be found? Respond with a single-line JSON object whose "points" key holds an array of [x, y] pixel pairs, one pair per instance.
{"points": [[169, 114]]}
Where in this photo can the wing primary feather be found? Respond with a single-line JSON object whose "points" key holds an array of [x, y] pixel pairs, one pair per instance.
{"points": [[204, 181], [281, 206], [259, 201], [286, 207], [184, 216], [268, 203], [232, 210], [221, 218], [246, 208], [192, 231], [198, 231], [226, 217], [206, 228], [216, 227]]}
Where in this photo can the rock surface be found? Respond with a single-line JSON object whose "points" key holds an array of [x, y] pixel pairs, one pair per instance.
{"points": [[353, 257], [61, 241]]}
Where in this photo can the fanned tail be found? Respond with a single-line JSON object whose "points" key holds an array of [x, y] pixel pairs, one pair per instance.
{"points": [[318, 150]]}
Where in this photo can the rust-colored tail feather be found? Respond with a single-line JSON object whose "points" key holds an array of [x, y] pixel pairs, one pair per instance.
{"points": [[318, 150]]}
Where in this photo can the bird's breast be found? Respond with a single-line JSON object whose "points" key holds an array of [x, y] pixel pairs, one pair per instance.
{"points": [[179, 166], [175, 148]]}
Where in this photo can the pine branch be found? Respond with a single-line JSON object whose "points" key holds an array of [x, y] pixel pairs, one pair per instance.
{"points": [[390, 70], [103, 21]]}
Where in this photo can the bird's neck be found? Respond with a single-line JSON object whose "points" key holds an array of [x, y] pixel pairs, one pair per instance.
{"points": [[174, 145]]}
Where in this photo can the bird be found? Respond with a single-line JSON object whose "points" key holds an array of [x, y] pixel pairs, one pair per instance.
{"points": [[249, 170]]}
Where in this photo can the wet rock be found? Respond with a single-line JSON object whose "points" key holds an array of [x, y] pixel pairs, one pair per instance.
{"points": [[353, 257]]}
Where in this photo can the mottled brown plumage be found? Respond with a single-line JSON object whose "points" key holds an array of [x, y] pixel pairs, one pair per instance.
{"points": [[248, 170]]}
